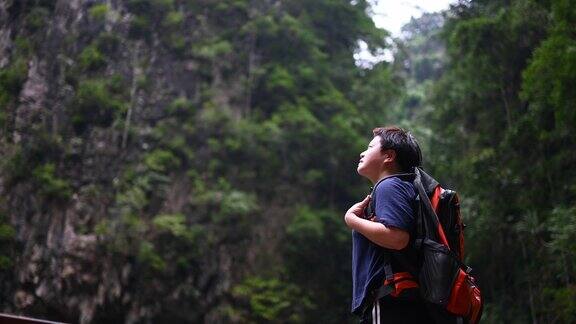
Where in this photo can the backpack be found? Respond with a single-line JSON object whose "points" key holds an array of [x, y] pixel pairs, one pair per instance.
{"points": [[443, 277], [443, 280]]}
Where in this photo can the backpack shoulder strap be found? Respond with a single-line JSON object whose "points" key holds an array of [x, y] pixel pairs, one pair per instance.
{"points": [[428, 183], [428, 224]]}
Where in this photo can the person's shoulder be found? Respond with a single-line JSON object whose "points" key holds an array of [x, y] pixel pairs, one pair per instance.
{"points": [[396, 184]]}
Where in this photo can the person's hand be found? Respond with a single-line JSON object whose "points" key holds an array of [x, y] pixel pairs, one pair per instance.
{"points": [[357, 210]]}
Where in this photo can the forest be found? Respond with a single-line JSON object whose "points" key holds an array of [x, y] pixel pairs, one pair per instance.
{"points": [[190, 161]]}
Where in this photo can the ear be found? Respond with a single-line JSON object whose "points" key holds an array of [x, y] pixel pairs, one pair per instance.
{"points": [[389, 156]]}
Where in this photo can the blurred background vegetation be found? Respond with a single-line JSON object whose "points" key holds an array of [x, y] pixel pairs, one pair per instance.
{"points": [[191, 160]]}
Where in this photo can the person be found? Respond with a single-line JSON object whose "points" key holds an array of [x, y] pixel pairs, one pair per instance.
{"points": [[381, 250]]}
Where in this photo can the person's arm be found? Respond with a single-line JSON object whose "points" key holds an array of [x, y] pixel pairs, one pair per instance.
{"points": [[387, 237]]}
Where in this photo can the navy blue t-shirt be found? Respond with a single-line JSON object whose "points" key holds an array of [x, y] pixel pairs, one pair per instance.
{"points": [[394, 207]]}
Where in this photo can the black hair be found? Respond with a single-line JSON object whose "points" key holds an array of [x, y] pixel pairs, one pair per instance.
{"points": [[408, 153]]}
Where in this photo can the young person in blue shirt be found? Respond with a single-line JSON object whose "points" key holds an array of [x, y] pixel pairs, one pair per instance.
{"points": [[381, 241]]}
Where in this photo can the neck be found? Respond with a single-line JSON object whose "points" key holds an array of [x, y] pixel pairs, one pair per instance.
{"points": [[382, 175]]}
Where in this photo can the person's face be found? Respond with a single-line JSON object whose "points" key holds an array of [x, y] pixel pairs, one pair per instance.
{"points": [[371, 160], [374, 162]]}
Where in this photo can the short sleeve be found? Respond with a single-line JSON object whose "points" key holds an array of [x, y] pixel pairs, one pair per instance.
{"points": [[394, 203]]}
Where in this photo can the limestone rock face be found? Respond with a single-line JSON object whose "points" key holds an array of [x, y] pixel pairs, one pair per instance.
{"points": [[93, 80]]}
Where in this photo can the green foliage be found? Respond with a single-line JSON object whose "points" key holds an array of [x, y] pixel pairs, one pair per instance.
{"points": [[272, 299], [7, 236], [212, 49], [7, 232], [317, 248], [140, 27], [12, 79], [562, 244], [177, 43], [238, 156], [135, 197], [149, 7], [97, 102], [17, 164], [501, 125], [238, 202], [549, 81], [306, 224], [172, 35], [173, 19], [162, 4], [148, 15], [181, 106], [49, 184], [5, 262], [139, 7], [91, 58], [108, 43], [98, 12], [147, 254], [161, 161], [24, 46], [37, 18], [341, 24], [175, 225], [228, 205], [102, 228], [279, 79], [562, 303]]}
